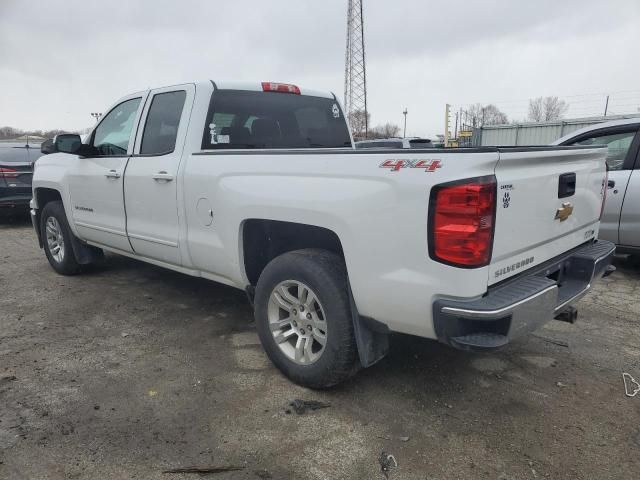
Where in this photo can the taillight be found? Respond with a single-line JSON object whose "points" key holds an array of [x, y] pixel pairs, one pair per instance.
{"points": [[461, 222], [9, 172], [280, 88]]}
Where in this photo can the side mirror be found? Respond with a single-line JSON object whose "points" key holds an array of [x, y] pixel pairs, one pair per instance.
{"points": [[47, 147], [64, 143], [67, 142]]}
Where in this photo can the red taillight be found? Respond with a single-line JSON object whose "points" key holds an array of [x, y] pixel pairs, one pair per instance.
{"points": [[280, 88], [462, 216], [9, 172]]}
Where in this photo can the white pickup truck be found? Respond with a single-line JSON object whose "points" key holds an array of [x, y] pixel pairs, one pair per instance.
{"points": [[258, 186]]}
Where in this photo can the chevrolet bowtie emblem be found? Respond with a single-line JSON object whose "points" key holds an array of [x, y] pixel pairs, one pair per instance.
{"points": [[564, 212]]}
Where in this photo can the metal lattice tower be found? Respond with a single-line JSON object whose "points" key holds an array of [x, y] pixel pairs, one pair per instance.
{"points": [[355, 72]]}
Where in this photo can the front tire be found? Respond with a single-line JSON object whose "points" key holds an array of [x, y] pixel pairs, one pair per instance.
{"points": [[303, 317], [57, 239]]}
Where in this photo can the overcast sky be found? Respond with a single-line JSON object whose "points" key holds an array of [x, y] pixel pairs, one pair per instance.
{"points": [[61, 60]]}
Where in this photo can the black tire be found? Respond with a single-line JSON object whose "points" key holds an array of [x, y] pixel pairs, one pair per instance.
{"points": [[325, 273], [68, 264]]}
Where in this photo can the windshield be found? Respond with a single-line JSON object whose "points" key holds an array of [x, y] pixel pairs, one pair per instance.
{"points": [[247, 119]]}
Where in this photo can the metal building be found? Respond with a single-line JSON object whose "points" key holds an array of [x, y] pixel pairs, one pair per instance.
{"points": [[535, 133]]}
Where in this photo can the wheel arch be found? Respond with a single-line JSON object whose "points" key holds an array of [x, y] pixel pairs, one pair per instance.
{"points": [[83, 253], [42, 196], [262, 240]]}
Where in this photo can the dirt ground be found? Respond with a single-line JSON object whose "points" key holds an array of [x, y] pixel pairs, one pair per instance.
{"points": [[130, 370]]}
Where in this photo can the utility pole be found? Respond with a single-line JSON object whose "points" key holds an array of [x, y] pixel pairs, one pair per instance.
{"points": [[606, 106], [455, 132], [404, 135], [446, 125], [96, 115], [355, 72]]}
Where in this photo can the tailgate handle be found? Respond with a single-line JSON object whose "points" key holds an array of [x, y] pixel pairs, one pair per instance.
{"points": [[566, 185]]}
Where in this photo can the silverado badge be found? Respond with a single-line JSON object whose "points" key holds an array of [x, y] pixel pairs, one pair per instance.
{"points": [[564, 211]]}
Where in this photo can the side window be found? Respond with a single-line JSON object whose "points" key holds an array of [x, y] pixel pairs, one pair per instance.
{"points": [[163, 120], [618, 144], [112, 136]]}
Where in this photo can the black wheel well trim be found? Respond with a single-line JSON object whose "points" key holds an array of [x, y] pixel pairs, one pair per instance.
{"points": [[263, 239], [42, 196]]}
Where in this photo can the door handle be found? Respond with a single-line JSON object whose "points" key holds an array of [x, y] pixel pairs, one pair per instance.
{"points": [[162, 176], [611, 183], [112, 174], [566, 185]]}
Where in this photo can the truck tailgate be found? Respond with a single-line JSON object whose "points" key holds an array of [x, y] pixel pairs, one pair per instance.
{"points": [[549, 201]]}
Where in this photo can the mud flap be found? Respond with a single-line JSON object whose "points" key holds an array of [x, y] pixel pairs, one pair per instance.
{"points": [[372, 337], [85, 254]]}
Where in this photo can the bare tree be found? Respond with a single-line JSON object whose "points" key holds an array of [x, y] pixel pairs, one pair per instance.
{"points": [[387, 130], [481, 115], [8, 133], [546, 109]]}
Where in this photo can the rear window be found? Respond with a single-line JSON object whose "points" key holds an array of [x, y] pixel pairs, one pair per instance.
{"points": [[246, 119], [420, 143]]}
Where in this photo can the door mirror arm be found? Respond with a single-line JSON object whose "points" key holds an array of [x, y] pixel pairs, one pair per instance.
{"points": [[85, 151]]}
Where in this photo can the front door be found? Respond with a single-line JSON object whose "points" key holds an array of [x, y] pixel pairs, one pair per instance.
{"points": [[620, 159], [96, 182], [151, 183]]}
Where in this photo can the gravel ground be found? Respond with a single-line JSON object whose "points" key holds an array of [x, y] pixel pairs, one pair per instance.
{"points": [[130, 370]]}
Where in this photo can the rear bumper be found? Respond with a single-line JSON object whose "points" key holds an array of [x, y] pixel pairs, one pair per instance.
{"points": [[522, 304]]}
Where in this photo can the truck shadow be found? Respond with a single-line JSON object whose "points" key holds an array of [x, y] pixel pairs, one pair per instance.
{"points": [[422, 369]]}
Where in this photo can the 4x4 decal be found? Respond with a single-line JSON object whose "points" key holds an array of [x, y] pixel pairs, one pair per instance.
{"points": [[396, 165]]}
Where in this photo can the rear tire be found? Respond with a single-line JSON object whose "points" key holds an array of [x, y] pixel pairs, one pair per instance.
{"points": [[303, 317], [57, 239]]}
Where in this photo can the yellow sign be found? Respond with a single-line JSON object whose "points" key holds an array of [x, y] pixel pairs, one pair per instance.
{"points": [[465, 133]]}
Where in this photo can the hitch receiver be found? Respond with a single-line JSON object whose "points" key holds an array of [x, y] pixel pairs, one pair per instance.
{"points": [[570, 315]]}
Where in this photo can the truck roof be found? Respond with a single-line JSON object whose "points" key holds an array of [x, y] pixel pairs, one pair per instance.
{"points": [[257, 87]]}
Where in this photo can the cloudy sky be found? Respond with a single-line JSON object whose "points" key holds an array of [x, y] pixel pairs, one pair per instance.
{"points": [[61, 60]]}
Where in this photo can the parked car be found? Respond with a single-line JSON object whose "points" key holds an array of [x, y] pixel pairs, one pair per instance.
{"points": [[410, 142], [620, 222], [258, 186], [16, 169]]}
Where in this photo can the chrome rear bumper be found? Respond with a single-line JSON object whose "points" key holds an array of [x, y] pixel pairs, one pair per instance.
{"points": [[524, 303]]}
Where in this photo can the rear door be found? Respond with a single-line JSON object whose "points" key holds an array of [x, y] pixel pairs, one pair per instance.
{"points": [[630, 216], [622, 143], [151, 182], [96, 183], [549, 201]]}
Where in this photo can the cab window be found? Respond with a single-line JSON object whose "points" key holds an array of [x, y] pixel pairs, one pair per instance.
{"points": [[248, 119], [163, 120], [111, 138], [617, 143]]}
